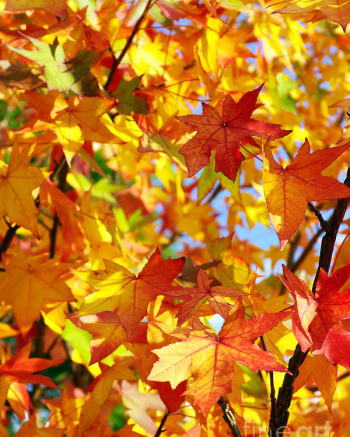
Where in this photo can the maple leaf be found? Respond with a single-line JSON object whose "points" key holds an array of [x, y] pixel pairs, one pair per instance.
{"points": [[74, 120], [21, 368], [29, 429], [126, 101], [288, 190], [204, 292], [80, 66], [53, 59], [57, 7], [137, 404], [28, 283], [324, 373], [101, 388], [317, 319], [107, 333], [208, 357], [335, 10], [126, 294], [224, 133], [17, 181]]}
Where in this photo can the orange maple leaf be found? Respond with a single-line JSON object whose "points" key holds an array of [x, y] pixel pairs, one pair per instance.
{"points": [[101, 388], [288, 190], [73, 120], [17, 181], [28, 283], [317, 318], [126, 294], [224, 133], [57, 7], [204, 292], [30, 429], [20, 368], [207, 357], [337, 11]]}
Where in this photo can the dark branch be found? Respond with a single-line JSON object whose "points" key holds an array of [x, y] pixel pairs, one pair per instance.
{"points": [[229, 417], [324, 224], [117, 61], [5, 244], [327, 246], [160, 428], [62, 174]]}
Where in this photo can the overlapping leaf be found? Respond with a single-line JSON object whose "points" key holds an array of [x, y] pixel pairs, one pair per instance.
{"points": [[17, 181], [196, 296], [127, 102], [126, 294], [74, 121], [102, 387], [335, 10], [57, 7], [107, 333], [288, 190], [22, 369], [223, 133], [208, 357], [28, 283], [317, 319], [53, 59]]}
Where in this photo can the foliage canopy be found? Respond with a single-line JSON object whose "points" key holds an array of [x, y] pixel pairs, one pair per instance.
{"points": [[167, 171]]}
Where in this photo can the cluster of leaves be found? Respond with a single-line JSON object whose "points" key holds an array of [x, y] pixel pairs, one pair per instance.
{"points": [[149, 198]]}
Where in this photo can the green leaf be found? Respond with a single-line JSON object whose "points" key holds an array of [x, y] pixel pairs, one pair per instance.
{"points": [[52, 58], [80, 67], [126, 101]]}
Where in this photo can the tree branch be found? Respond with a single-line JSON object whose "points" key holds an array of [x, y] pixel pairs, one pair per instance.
{"points": [[160, 428], [327, 246], [62, 171], [324, 224], [117, 61], [5, 244], [229, 417]]}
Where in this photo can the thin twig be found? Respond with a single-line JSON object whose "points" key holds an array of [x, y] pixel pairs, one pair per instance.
{"points": [[229, 417], [62, 174], [117, 61], [5, 244], [324, 224], [160, 428], [272, 387]]}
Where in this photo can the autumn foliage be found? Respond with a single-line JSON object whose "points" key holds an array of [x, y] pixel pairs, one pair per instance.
{"points": [[174, 234]]}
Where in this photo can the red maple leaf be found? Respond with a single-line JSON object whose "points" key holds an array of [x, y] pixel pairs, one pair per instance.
{"points": [[317, 318], [208, 357], [224, 133], [20, 368], [204, 292]]}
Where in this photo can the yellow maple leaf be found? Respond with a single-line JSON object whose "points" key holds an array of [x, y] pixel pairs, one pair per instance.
{"points": [[17, 181], [73, 120], [28, 283]]}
